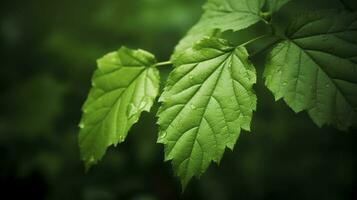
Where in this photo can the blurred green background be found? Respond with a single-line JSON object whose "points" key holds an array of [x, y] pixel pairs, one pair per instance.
{"points": [[48, 53]]}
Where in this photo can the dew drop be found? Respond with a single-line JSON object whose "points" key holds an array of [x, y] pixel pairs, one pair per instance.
{"points": [[285, 83], [193, 107], [190, 77], [327, 85]]}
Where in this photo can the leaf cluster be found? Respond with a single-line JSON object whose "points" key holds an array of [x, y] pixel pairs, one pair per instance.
{"points": [[209, 96]]}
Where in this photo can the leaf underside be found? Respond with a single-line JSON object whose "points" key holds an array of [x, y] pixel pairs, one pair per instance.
{"points": [[316, 68], [124, 85], [208, 99]]}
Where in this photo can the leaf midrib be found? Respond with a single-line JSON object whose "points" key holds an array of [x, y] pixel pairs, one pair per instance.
{"points": [[221, 67]]}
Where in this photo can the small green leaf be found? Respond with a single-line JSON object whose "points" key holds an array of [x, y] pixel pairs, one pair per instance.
{"points": [[224, 15], [194, 35], [208, 99], [231, 14], [316, 68], [220, 16], [124, 85]]}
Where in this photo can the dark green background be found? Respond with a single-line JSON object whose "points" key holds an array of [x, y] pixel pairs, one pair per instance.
{"points": [[48, 51]]}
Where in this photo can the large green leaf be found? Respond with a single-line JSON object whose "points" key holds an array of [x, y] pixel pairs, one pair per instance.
{"points": [[316, 68], [208, 99], [124, 85], [223, 15]]}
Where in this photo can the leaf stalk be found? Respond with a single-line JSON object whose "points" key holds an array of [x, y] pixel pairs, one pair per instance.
{"points": [[160, 64]]}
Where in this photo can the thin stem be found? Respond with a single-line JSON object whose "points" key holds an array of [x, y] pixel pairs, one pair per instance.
{"points": [[159, 64], [253, 40]]}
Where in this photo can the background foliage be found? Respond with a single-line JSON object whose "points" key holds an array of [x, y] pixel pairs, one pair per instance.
{"points": [[48, 52]]}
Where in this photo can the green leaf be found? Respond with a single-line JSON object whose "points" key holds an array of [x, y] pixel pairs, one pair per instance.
{"points": [[194, 35], [224, 15], [231, 14], [316, 68], [208, 99], [124, 85]]}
